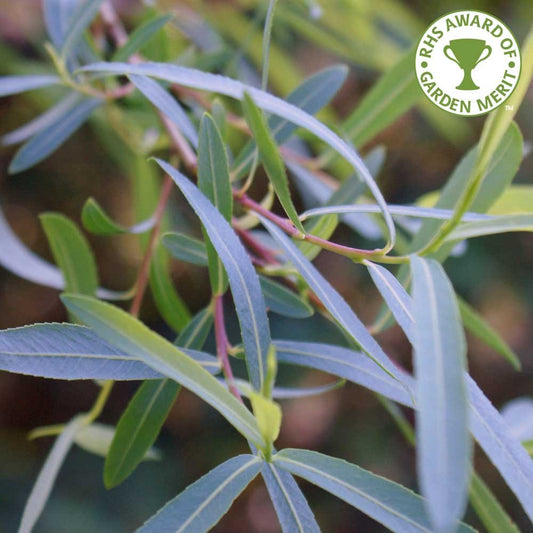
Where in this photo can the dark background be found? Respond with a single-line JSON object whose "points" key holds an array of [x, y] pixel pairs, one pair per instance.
{"points": [[494, 275]]}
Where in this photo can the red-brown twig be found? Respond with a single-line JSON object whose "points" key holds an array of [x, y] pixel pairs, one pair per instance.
{"points": [[222, 343]]}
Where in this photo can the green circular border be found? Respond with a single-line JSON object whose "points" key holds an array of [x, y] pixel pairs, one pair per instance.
{"points": [[471, 11]]}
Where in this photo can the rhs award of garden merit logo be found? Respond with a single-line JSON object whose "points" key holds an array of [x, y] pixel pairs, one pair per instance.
{"points": [[468, 62]]}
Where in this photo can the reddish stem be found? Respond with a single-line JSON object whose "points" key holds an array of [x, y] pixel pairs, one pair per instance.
{"points": [[221, 338], [144, 271]]}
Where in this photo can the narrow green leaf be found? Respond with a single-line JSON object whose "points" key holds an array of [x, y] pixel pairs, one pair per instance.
{"points": [[268, 416], [394, 93], [96, 220], [515, 200], [140, 36], [81, 18], [444, 445], [489, 509], [168, 301], [389, 503], [475, 324], [126, 333], [281, 300], [199, 507], [501, 224], [54, 135], [214, 182], [141, 422], [270, 158], [72, 253], [185, 248]]}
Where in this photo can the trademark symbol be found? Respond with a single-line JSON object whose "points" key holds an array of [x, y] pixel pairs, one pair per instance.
{"points": [[509, 107]]}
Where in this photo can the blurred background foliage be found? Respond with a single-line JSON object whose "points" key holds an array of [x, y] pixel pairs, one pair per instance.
{"points": [[422, 148]]}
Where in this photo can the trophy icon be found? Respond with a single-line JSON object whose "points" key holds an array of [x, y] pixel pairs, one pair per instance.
{"points": [[467, 53]]}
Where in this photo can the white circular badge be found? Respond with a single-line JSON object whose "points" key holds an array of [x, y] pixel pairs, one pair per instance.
{"points": [[468, 62]]}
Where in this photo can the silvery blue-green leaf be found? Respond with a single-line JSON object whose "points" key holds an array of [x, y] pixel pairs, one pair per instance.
{"points": [[287, 393], [47, 476], [140, 36], [392, 291], [518, 414], [389, 503], [201, 505], [125, 332], [81, 17], [313, 94], [267, 102], [49, 139], [42, 121], [167, 104], [492, 433], [67, 351], [249, 301], [72, 253], [332, 300], [294, 513], [19, 84], [343, 362], [493, 226], [147, 411], [96, 438], [503, 449], [57, 16], [281, 300], [97, 221], [398, 210], [185, 248], [444, 447], [21, 261]]}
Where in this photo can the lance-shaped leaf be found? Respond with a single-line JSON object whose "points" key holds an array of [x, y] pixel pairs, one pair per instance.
{"points": [[391, 290], [57, 15], [201, 505], [147, 411], [332, 300], [21, 261], [97, 221], [343, 362], [62, 108], [67, 351], [311, 96], [271, 158], [214, 182], [477, 326], [281, 300], [444, 445], [185, 248], [388, 503], [19, 84], [168, 105], [50, 138], [266, 102], [294, 513], [81, 17], [247, 295], [126, 333], [502, 224], [72, 253], [140, 36], [489, 509], [47, 476]]}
